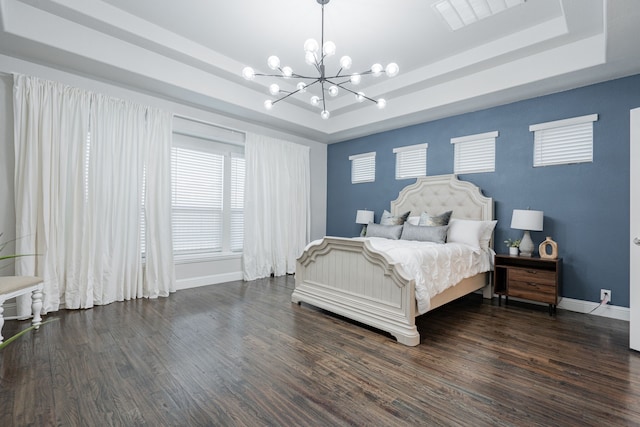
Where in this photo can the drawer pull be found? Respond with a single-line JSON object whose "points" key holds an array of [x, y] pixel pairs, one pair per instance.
{"points": [[532, 272]]}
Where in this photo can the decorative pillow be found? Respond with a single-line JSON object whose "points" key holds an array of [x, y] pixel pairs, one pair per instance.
{"points": [[471, 232], [487, 232], [413, 220], [424, 233], [387, 231], [435, 220], [388, 219]]}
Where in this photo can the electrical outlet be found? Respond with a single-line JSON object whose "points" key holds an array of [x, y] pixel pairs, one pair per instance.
{"points": [[602, 295]]}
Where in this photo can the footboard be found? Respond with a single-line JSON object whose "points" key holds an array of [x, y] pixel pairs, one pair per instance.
{"points": [[349, 278]]}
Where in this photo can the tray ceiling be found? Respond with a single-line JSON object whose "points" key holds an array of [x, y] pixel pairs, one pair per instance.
{"points": [[193, 51]]}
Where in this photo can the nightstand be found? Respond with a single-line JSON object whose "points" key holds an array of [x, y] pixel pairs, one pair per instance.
{"points": [[535, 279]]}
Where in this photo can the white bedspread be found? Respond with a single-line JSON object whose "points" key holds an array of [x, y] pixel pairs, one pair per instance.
{"points": [[434, 266]]}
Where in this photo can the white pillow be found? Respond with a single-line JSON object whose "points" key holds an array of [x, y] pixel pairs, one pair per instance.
{"points": [[471, 232], [413, 220]]}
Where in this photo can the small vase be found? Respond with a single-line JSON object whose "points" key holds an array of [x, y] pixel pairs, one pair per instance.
{"points": [[513, 251], [542, 249]]}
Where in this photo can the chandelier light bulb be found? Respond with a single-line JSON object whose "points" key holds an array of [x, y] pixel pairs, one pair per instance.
{"points": [[360, 96], [268, 104], [345, 62], [355, 79], [302, 87], [248, 73], [314, 100], [381, 103], [273, 62], [325, 115], [392, 69], [376, 70], [311, 45], [274, 89], [329, 48], [333, 90], [287, 71], [310, 58]]}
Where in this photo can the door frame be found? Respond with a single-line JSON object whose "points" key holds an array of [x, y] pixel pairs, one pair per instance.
{"points": [[634, 229]]}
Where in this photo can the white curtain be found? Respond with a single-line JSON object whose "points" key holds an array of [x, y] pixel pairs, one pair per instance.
{"points": [[277, 206], [91, 173]]}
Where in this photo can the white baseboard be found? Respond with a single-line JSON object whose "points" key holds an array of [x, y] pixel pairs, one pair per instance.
{"points": [[213, 279], [611, 311]]}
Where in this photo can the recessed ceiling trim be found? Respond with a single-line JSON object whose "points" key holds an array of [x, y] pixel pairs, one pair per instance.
{"points": [[461, 13]]}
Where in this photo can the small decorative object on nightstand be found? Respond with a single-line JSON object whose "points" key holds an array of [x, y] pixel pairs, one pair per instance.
{"points": [[542, 249], [535, 279], [364, 217]]}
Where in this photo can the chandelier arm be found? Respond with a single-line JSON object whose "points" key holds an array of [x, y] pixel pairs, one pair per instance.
{"points": [[288, 94], [341, 85], [364, 73], [324, 106], [280, 76]]}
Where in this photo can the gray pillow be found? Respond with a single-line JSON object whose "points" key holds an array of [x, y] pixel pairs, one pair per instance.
{"points": [[435, 220], [387, 231], [423, 233], [388, 219]]}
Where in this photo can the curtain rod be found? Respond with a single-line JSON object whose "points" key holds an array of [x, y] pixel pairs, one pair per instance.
{"points": [[204, 122]]}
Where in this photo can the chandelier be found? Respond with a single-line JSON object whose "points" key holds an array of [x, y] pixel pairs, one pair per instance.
{"points": [[329, 84]]}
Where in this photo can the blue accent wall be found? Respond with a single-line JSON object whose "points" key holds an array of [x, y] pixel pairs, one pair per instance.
{"points": [[586, 206]]}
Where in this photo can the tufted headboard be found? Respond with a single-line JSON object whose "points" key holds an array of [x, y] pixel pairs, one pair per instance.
{"points": [[441, 193]]}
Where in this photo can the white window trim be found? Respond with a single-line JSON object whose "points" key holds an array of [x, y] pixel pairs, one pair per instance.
{"points": [[472, 138], [542, 159], [564, 122], [371, 154], [467, 138], [411, 148], [404, 149]]}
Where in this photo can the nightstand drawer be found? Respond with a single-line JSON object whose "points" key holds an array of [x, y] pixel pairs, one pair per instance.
{"points": [[533, 290], [531, 275]]}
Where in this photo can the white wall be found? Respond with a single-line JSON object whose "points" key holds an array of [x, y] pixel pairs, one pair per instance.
{"points": [[7, 209], [189, 274]]}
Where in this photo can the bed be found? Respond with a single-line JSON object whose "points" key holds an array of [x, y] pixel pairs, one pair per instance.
{"points": [[349, 277]]}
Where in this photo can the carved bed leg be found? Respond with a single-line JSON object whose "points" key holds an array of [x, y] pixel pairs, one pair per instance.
{"points": [[408, 339]]}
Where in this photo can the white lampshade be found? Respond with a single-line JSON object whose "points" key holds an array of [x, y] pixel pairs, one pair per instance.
{"points": [[527, 220], [364, 217]]}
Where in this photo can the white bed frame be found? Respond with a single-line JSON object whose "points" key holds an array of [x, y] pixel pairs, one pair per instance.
{"points": [[350, 278]]}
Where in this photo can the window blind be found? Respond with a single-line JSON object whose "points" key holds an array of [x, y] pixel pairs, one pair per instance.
{"points": [[563, 141], [196, 199], [363, 167], [475, 153], [411, 161]]}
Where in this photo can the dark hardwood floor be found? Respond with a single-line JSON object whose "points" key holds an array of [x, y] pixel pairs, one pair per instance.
{"points": [[242, 354]]}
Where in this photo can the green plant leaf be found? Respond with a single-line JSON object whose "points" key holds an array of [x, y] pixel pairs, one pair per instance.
{"points": [[24, 331]]}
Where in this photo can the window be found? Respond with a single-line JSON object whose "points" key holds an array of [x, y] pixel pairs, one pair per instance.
{"points": [[563, 141], [206, 196], [474, 153], [411, 161], [363, 167]]}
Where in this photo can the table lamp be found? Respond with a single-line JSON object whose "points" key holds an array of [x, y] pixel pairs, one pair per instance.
{"points": [[527, 220], [364, 217]]}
